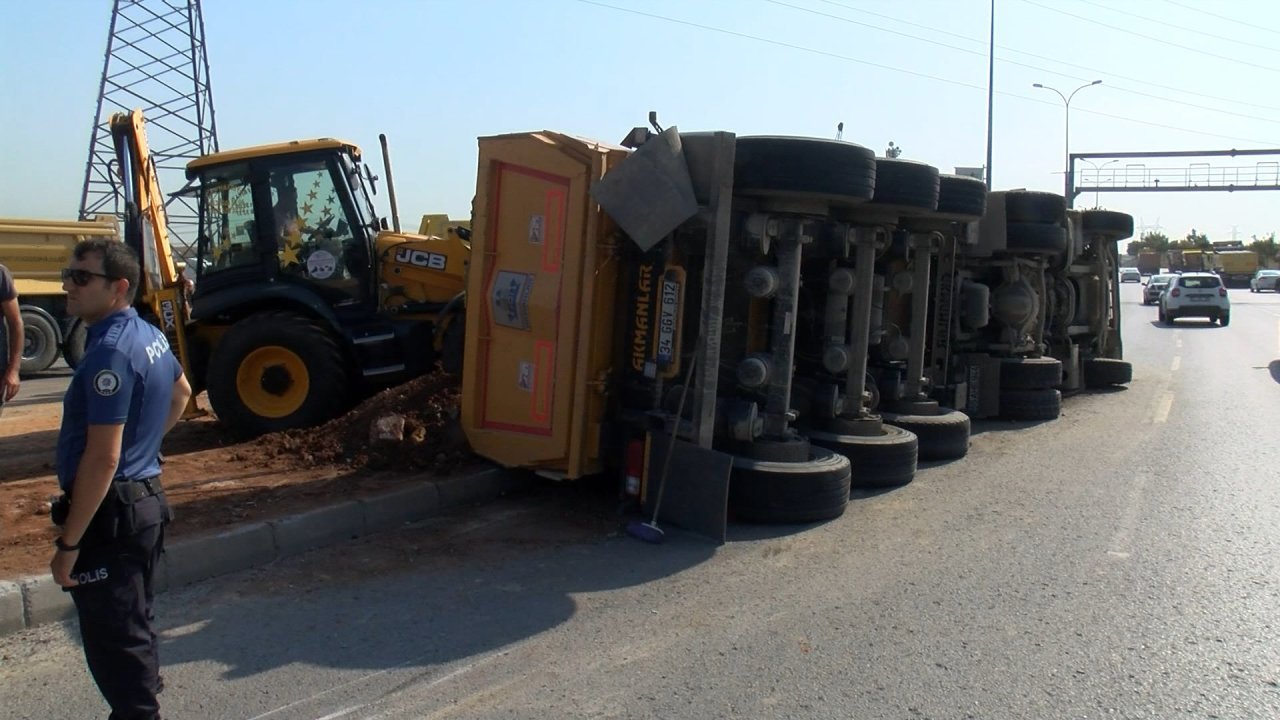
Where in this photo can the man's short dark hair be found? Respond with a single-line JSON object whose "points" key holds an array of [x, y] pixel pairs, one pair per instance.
{"points": [[118, 261]]}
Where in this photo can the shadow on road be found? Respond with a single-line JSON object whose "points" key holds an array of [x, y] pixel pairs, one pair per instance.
{"points": [[1275, 370], [455, 588]]}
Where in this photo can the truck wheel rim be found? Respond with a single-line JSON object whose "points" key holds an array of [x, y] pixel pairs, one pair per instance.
{"points": [[273, 382]]}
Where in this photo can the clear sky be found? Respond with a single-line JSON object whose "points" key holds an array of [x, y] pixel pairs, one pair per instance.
{"points": [[435, 74]]}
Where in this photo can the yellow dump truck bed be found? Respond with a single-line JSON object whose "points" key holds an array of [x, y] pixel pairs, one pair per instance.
{"points": [[541, 292], [35, 251]]}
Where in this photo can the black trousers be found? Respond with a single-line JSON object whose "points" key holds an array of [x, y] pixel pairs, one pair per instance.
{"points": [[114, 601]]}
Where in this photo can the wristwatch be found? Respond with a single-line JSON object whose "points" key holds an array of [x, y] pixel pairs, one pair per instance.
{"points": [[65, 547]]}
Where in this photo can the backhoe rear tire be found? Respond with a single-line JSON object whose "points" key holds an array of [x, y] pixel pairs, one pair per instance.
{"points": [[769, 491], [276, 370]]}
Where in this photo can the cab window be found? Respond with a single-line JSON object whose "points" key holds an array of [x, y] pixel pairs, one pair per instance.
{"points": [[226, 226], [313, 235]]}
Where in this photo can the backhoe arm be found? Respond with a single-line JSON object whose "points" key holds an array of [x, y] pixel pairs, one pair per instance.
{"points": [[163, 288]]}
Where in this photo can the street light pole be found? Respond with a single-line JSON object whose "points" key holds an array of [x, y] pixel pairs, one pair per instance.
{"points": [[1066, 102], [1097, 169]]}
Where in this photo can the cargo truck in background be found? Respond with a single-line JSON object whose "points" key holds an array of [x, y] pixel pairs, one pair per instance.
{"points": [[1149, 263], [1236, 267], [1197, 261], [35, 251]]}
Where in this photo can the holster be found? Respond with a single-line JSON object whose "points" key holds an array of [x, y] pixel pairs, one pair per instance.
{"points": [[127, 509]]}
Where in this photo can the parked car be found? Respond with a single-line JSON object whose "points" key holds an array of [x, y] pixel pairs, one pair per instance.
{"points": [[1130, 275], [1155, 288], [1265, 280], [1195, 294]]}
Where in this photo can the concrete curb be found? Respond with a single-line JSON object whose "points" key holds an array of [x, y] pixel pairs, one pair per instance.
{"points": [[38, 600], [45, 601], [12, 610]]}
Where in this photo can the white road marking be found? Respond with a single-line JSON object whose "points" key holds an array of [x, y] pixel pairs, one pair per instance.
{"points": [[340, 713], [1123, 537], [1177, 363], [1163, 408]]}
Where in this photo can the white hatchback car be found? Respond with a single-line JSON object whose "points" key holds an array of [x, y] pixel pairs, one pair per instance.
{"points": [[1265, 280], [1195, 294], [1128, 274]]}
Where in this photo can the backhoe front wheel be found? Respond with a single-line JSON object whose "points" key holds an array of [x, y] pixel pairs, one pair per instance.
{"points": [[276, 371]]}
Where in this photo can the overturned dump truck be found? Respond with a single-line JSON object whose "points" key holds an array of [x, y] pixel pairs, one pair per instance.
{"points": [[1083, 305], [994, 361], [1028, 307], [713, 299]]}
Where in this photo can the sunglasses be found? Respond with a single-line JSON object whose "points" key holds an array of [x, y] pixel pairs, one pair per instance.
{"points": [[81, 278]]}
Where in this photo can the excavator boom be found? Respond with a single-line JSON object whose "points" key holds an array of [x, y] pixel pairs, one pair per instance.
{"points": [[163, 288]]}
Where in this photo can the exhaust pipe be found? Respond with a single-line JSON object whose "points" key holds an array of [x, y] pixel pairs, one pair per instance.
{"points": [[391, 184]]}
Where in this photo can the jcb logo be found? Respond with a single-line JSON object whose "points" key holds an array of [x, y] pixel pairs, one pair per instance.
{"points": [[421, 258]]}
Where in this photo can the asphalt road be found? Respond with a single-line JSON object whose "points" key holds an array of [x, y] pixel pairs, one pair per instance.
{"points": [[45, 387], [1121, 562]]}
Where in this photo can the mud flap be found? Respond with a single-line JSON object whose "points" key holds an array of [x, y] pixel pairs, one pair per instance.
{"points": [[650, 193], [696, 496]]}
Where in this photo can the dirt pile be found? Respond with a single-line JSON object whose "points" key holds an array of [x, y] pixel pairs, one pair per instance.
{"points": [[411, 427]]}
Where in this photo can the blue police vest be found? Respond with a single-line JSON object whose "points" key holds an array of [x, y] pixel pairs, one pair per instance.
{"points": [[126, 378]]}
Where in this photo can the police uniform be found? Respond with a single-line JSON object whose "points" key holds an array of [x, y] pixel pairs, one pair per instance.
{"points": [[126, 378]]}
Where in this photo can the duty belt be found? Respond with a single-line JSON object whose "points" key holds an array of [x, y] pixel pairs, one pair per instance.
{"points": [[131, 491]]}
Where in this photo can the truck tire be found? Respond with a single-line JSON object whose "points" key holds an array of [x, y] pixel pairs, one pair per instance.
{"points": [[944, 436], [39, 342], [276, 370], [1030, 373], [1028, 206], [74, 346], [906, 183], [885, 460], [768, 491], [807, 168], [961, 197], [1030, 404], [1108, 223], [1104, 372], [1031, 237]]}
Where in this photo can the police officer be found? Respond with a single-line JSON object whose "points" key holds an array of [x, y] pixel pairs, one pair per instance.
{"points": [[125, 395]]}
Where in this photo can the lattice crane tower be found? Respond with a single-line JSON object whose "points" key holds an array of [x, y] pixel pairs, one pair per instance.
{"points": [[155, 60]]}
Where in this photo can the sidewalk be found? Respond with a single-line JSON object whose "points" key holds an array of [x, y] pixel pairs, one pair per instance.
{"points": [[37, 600]]}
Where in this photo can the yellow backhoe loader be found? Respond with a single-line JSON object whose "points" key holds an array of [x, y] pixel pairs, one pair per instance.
{"points": [[303, 300]]}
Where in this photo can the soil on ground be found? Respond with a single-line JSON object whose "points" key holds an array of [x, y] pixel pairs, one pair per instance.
{"points": [[407, 434]]}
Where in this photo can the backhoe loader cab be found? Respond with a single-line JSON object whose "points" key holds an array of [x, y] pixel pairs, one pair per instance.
{"points": [[296, 213], [303, 301]]}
